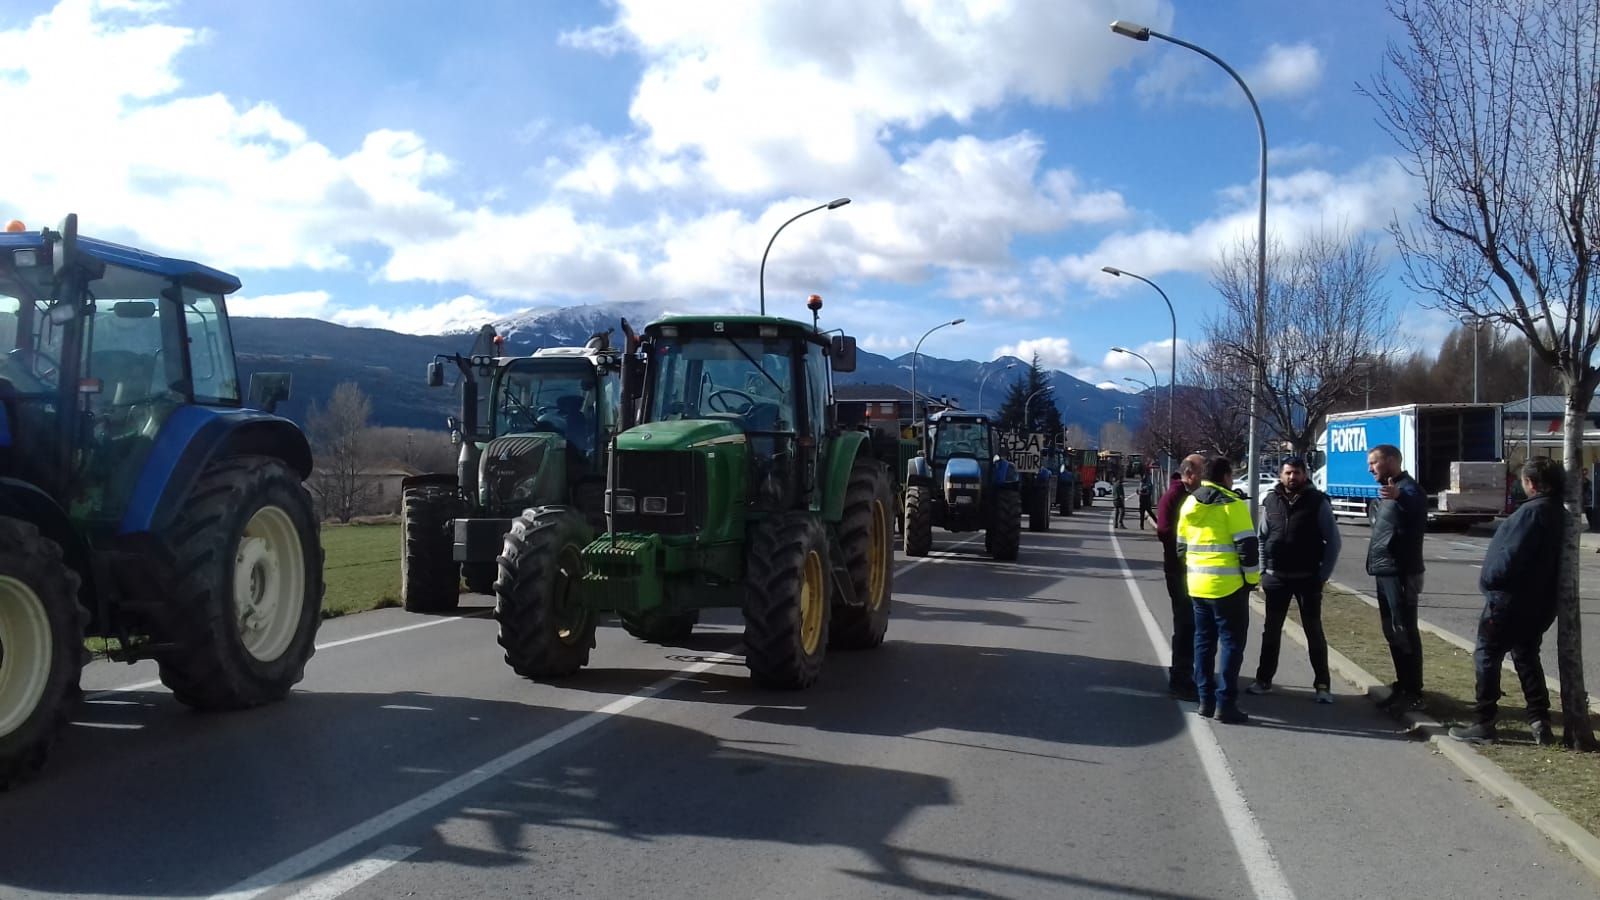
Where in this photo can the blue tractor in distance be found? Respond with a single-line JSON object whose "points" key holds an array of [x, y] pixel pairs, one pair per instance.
{"points": [[142, 499], [963, 484]]}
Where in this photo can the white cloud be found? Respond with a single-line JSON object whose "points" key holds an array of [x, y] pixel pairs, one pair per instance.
{"points": [[1013, 307], [1284, 71], [293, 305], [461, 313], [1054, 352]]}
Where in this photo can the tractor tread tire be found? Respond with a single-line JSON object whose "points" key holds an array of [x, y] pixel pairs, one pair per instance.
{"points": [[209, 668], [525, 601], [1039, 509], [1004, 537], [774, 649], [36, 561], [863, 627], [919, 520], [430, 579], [659, 627]]}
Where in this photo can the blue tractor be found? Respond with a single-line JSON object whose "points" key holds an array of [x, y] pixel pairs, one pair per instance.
{"points": [[963, 484], [142, 499]]}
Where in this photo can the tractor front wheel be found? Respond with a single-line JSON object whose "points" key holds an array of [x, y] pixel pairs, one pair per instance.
{"points": [[544, 631], [41, 647], [660, 627], [249, 586], [1039, 507], [430, 578], [919, 520], [864, 535], [1004, 537], [786, 602]]}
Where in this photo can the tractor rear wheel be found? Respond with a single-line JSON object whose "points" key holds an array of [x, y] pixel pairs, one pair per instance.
{"points": [[786, 603], [865, 535], [480, 577], [1004, 537], [430, 579], [660, 627], [919, 520], [249, 586], [543, 630], [41, 647]]}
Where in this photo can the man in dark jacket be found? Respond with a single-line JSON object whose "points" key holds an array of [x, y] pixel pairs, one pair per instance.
{"points": [[1299, 548], [1518, 582], [1118, 495], [1394, 560], [1180, 678]]}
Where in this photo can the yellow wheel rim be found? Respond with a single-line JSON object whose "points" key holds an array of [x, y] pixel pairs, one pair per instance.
{"points": [[878, 556], [570, 622], [26, 653], [811, 603]]}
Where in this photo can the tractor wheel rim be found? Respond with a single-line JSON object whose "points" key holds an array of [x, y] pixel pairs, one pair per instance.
{"points": [[26, 653], [878, 556], [269, 583], [811, 603], [570, 621]]}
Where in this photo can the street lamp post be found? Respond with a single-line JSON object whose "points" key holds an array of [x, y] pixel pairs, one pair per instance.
{"points": [[1141, 33], [1172, 373], [1028, 403], [1139, 381], [986, 381], [831, 204], [1153, 377], [914, 353]]}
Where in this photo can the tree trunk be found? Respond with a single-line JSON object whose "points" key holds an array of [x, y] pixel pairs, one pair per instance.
{"points": [[1569, 623]]}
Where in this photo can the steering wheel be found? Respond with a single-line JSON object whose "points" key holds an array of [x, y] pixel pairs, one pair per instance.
{"points": [[719, 403]]}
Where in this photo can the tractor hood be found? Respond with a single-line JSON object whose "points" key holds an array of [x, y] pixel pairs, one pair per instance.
{"points": [[680, 434]]}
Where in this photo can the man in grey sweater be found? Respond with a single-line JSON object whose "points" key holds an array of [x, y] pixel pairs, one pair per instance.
{"points": [[1299, 548]]}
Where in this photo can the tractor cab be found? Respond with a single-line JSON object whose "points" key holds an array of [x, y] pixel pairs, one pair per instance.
{"points": [[960, 483]]}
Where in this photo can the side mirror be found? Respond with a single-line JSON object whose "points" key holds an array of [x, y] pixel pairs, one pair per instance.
{"points": [[436, 374], [66, 254], [268, 389], [844, 353]]}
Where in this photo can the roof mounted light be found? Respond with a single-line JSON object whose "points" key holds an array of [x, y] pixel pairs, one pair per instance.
{"points": [[14, 226]]}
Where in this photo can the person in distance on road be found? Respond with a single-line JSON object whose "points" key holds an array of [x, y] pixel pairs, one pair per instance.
{"points": [[1394, 560], [1147, 493], [1518, 582], [1119, 494], [1180, 678], [1299, 548], [1221, 557]]}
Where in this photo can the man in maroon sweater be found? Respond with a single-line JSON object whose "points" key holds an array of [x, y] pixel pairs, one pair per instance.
{"points": [[1180, 678]]}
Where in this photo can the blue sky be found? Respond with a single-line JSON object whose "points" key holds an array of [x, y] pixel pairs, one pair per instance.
{"points": [[423, 165]]}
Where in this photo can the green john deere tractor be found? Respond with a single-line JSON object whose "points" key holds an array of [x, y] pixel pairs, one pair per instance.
{"points": [[731, 485]]}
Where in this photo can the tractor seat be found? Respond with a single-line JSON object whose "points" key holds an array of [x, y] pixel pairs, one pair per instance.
{"points": [[762, 416]]}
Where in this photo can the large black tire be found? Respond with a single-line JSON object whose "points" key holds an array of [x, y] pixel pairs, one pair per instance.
{"points": [[1004, 537], [1039, 507], [480, 577], [249, 516], [544, 634], [867, 542], [919, 520], [660, 627], [39, 616], [430, 579], [787, 600]]}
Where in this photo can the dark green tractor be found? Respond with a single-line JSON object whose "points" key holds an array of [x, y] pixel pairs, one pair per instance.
{"points": [[732, 484]]}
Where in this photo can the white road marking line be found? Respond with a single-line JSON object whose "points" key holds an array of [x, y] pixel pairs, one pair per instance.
{"points": [[1260, 866], [353, 837], [354, 875], [156, 682]]}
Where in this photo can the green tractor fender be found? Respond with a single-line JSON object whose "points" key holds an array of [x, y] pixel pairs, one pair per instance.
{"points": [[842, 451]]}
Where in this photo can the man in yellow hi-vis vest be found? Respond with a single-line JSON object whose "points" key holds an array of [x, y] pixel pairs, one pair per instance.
{"points": [[1222, 565]]}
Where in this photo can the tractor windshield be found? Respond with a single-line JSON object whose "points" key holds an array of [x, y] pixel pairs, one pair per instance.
{"points": [[31, 344], [746, 379], [560, 399], [951, 439]]}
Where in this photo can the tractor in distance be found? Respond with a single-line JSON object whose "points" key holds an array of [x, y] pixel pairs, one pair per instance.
{"points": [[731, 485], [962, 485], [143, 500]]}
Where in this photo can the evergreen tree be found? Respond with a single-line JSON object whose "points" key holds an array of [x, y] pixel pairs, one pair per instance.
{"points": [[1044, 417]]}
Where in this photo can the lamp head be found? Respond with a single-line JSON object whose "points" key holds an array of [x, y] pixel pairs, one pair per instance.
{"points": [[1111, 270], [1130, 30], [835, 204], [1119, 349]]}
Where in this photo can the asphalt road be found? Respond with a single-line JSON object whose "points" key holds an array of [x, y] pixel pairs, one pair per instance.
{"points": [[1012, 739]]}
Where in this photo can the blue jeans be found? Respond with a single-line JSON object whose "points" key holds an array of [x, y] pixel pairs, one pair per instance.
{"points": [[1225, 620]]}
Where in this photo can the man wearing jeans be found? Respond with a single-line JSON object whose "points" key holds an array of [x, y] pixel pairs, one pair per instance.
{"points": [[1299, 548], [1394, 560], [1180, 678], [1220, 552]]}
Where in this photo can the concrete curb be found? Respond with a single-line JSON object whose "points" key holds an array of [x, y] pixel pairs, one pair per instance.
{"points": [[1554, 824]]}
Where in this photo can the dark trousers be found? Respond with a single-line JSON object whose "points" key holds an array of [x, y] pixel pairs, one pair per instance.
{"points": [[1146, 511], [1180, 677], [1224, 621], [1307, 592], [1502, 630], [1120, 511], [1397, 610]]}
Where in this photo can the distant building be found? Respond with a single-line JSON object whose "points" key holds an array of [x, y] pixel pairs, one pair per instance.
{"points": [[1549, 413]]}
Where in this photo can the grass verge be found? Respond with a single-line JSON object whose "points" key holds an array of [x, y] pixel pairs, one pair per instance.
{"points": [[362, 568], [1570, 781]]}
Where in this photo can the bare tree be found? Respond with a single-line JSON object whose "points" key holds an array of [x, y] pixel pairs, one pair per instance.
{"points": [[1328, 313], [422, 449], [338, 440], [1496, 107], [1116, 436], [1078, 437]]}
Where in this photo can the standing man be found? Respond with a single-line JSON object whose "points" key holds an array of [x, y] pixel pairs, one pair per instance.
{"points": [[1299, 548], [1118, 495], [1519, 593], [1147, 493], [1180, 678], [1221, 555], [1394, 560]]}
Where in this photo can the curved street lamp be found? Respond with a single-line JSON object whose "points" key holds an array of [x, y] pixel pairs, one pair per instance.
{"points": [[1172, 373], [1029, 402], [831, 204], [986, 381], [1139, 381], [1141, 33], [914, 353]]}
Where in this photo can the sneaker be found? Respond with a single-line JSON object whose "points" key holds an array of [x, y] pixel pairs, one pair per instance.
{"points": [[1259, 688], [1480, 733], [1208, 708], [1542, 735], [1323, 696], [1232, 715]]}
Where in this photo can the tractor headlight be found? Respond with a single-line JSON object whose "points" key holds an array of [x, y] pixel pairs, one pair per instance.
{"points": [[624, 503], [655, 506]]}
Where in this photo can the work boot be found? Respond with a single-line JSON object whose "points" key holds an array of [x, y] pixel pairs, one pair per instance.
{"points": [[1208, 708], [1231, 714], [1477, 733], [1542, 735]]}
